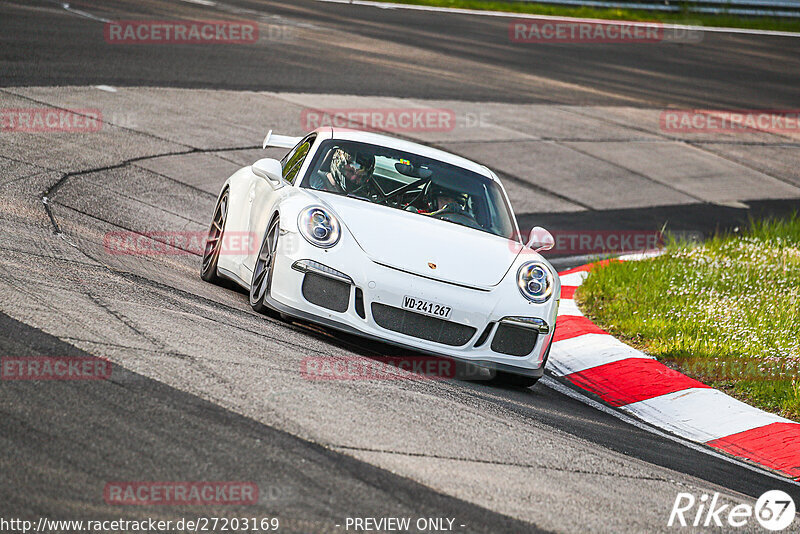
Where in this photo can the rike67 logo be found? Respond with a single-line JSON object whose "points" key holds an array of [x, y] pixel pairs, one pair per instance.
{"points": [[774, 510]]}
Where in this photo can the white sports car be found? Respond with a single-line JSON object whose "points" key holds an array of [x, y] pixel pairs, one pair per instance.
{"points": [[390, 240]]}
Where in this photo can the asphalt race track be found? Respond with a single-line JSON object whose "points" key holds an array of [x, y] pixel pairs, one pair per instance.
{"points": [[421, 56], [203, 388]]}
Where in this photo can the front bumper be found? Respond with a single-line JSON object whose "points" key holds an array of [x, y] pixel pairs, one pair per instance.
{"points": [[360, 288]]}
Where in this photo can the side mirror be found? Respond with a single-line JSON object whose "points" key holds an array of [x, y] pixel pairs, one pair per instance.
{"points": [[540, 239], [270, 169]]}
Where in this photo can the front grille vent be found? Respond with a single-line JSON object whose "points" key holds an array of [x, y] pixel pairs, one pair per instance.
{"points": [[514, 340], [484, 335], [326, 292], [360, 303], [422, 326]]}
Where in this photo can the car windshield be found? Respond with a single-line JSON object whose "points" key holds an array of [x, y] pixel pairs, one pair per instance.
{"points": [[409, 182]]}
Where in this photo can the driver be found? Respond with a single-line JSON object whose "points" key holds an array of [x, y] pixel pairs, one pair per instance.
{"points": [[350, 172], [442, 200]]}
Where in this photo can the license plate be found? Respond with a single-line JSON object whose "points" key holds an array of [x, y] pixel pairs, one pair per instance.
{"points": [[427, 307]]}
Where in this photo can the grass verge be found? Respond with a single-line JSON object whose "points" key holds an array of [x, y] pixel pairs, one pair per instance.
{"points": [[726, 312], [725, 21]]}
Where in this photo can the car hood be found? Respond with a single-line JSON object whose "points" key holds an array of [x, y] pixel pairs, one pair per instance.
{"points": [[421, 245]]}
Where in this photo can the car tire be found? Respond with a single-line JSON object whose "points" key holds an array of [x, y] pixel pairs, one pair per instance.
{"points": [[213, 246], [502, 378], [262, 270]]}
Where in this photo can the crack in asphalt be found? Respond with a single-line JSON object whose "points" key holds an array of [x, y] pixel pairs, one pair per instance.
{"points": [[53, 189], [175, 180], [127, 322]]}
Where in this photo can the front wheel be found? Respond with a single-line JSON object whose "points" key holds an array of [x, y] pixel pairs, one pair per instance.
{"points": [[262, 271], [214, 240], [502, 378]]}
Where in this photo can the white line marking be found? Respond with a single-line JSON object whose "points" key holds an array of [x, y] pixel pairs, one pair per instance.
{"points": [[568, 307], [413, 7], [553, 384], [573, 279], [83, 13], [588, 351], [208, 3], [106, 88], [638, 256], [701, 414]]}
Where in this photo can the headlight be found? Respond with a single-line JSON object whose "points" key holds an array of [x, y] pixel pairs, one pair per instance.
{"points": [[535, 282], [319, 227]]}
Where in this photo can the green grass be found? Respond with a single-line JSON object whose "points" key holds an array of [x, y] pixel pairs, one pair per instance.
{"points": [[726, 312], [728, 21]]}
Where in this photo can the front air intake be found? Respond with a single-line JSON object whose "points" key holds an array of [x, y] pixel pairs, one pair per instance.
{"points": [[422, 326], [514, 340], [327, 292]]}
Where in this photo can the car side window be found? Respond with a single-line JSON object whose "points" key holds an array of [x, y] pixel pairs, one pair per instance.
{"points": [[294, 160]]}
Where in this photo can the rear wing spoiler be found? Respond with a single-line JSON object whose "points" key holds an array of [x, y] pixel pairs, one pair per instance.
{"points": [[280, 141]]}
